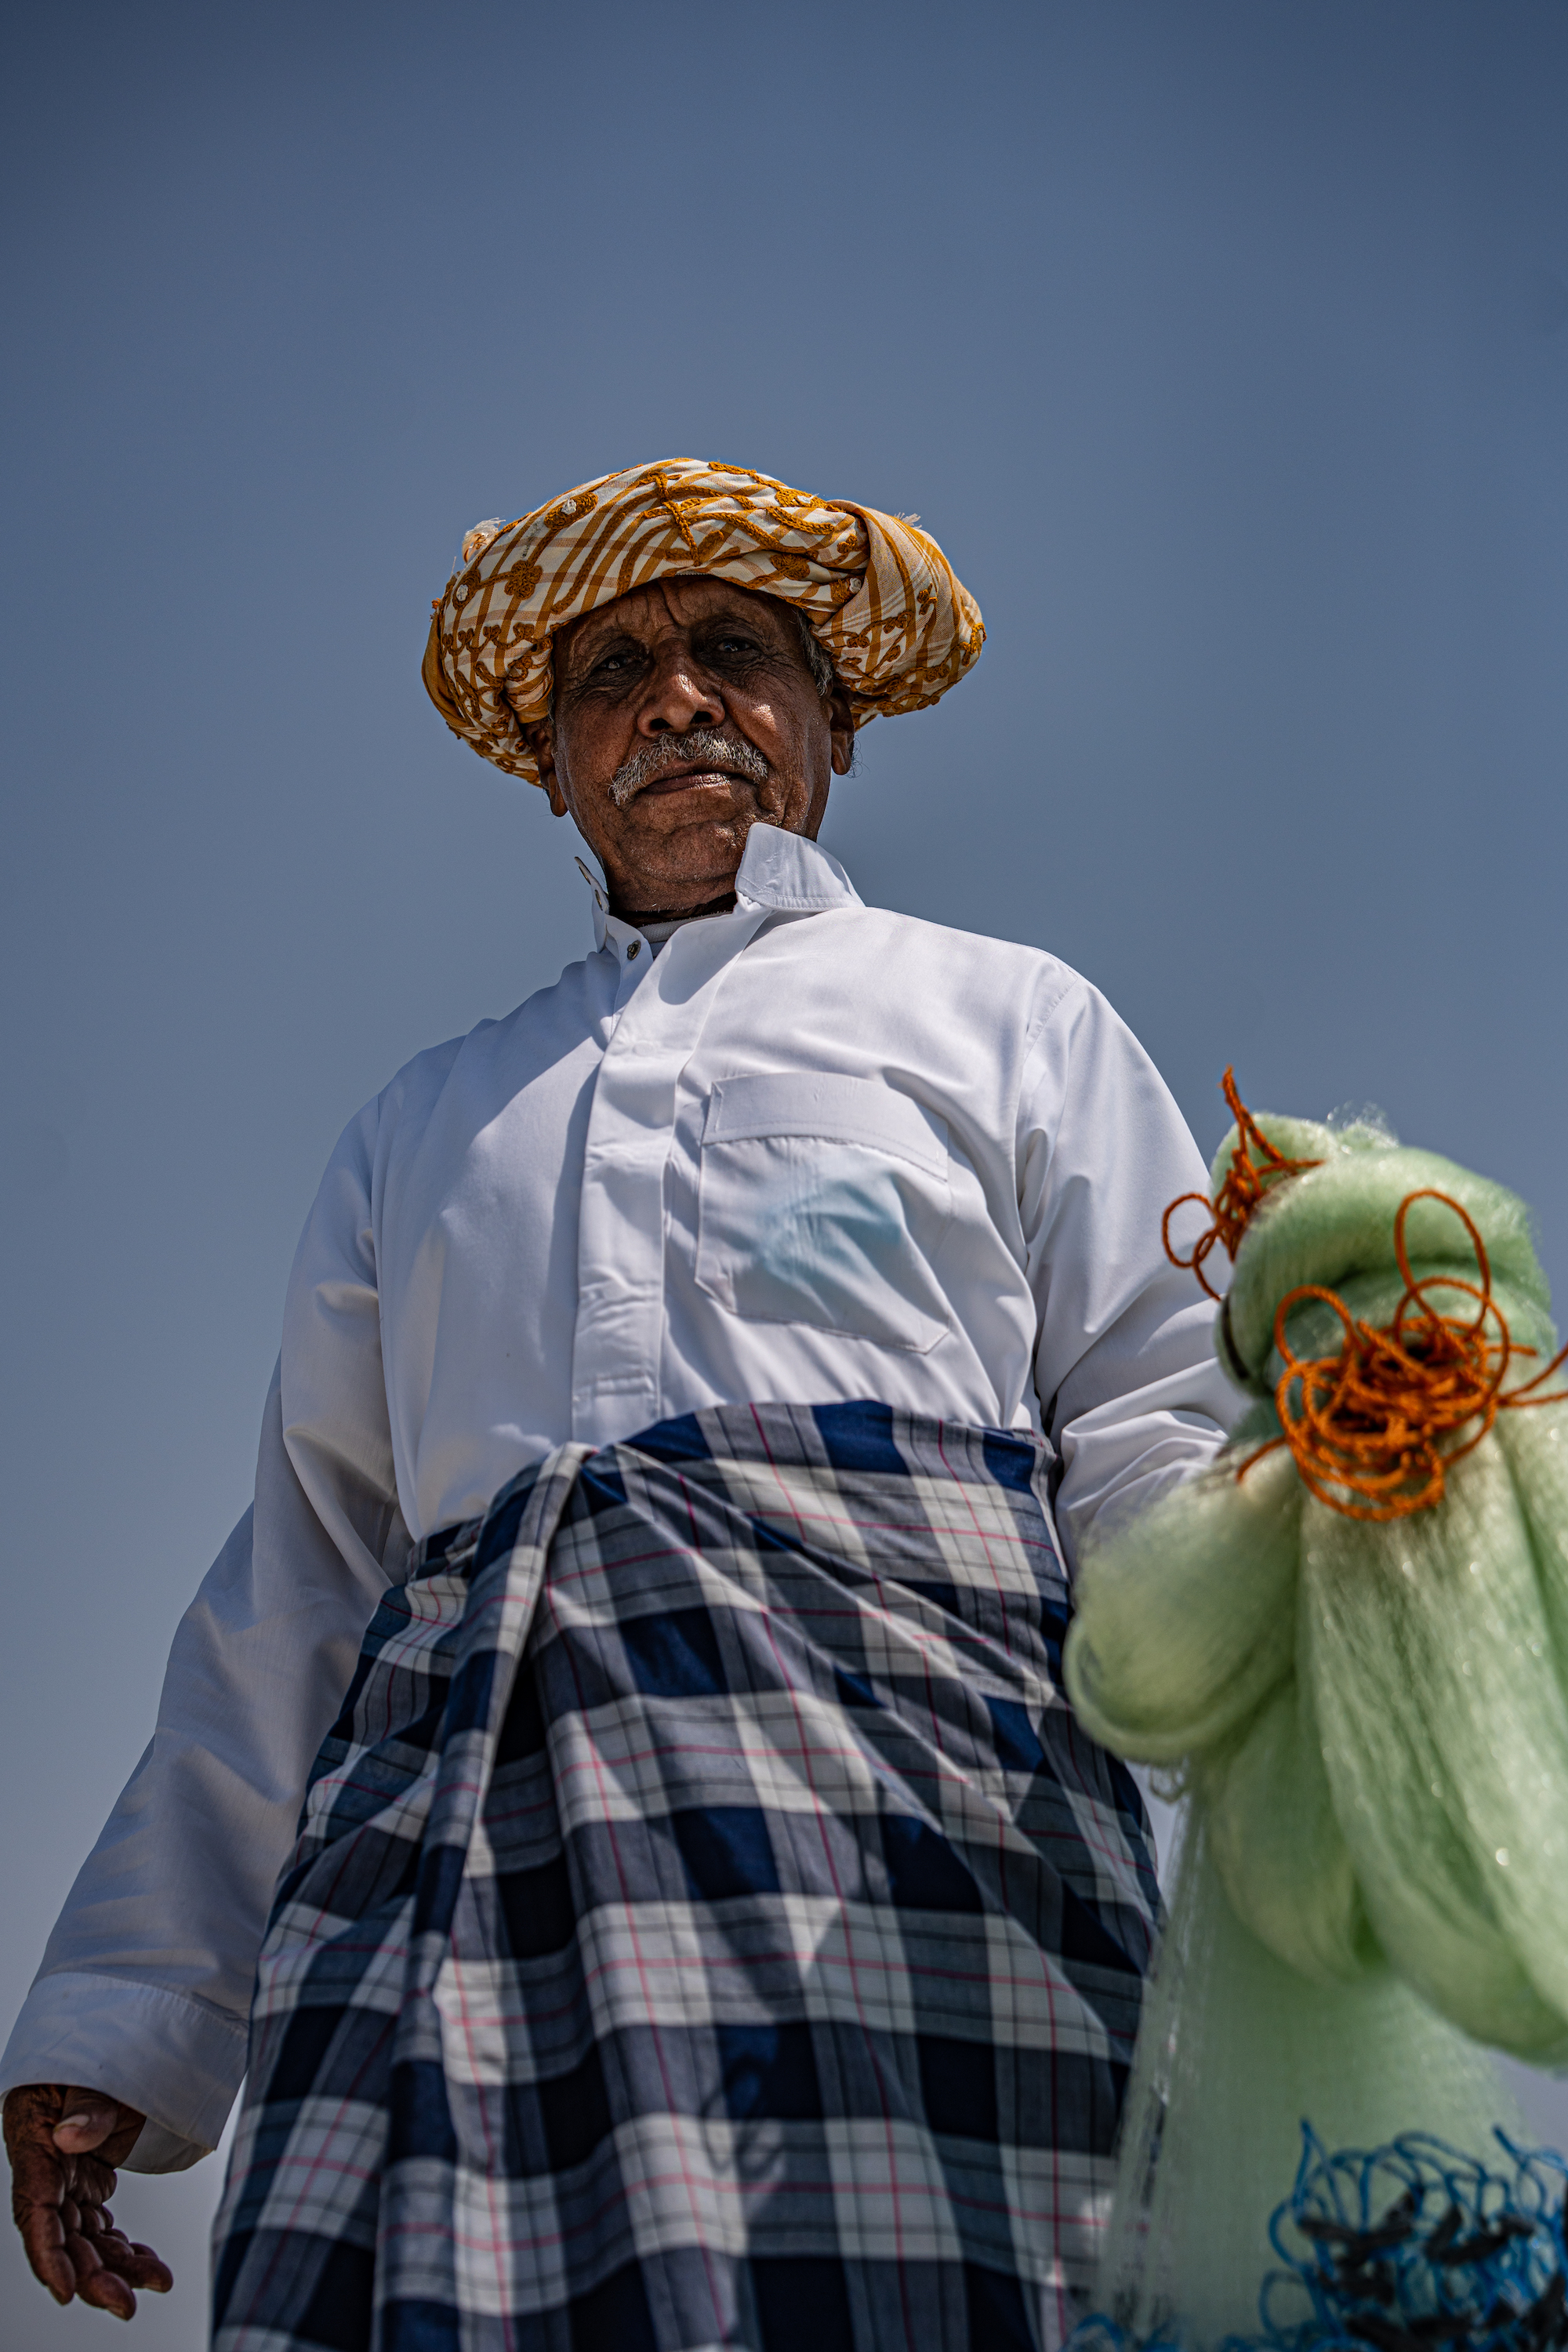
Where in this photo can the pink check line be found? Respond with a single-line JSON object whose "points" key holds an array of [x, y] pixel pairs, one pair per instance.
{"points": [[509, 1645], [498, 1817], [894, 2186], [398, 1653], [1000, 1826], [905, 1974], [909, 1776], [802, 1752], [774, 1751], [712, 1964], [657, 2041], [564, 1575], [321, 1912], [793, 1507], [345, 1782], [316, 2168], [888, 1587], [286, 2005], [322, 2161], [1017, 1842]]}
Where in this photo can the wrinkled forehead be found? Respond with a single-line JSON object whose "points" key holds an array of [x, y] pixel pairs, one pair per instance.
{"points": [[676, 603]]}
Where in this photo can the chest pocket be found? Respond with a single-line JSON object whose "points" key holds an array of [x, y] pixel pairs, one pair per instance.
{"points": [[824, 1199]]}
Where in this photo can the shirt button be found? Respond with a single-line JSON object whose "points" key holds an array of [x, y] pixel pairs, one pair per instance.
{"points": [[632, 951]]}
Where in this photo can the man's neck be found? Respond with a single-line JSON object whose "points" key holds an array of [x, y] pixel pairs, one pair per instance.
{"points": [[642, 916]]}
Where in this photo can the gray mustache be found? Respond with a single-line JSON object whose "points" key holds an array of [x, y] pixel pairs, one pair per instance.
{"points": [[709, 744]]}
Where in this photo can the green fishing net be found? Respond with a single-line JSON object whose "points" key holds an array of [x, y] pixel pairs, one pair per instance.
{"points": [[1367, 1722]]}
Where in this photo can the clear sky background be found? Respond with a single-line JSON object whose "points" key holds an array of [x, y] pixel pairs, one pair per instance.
{"points": [[1223, 347]]}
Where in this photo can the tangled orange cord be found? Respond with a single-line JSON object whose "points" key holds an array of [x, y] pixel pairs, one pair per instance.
{"points": [[1373, 1422], [1239, 1196]]}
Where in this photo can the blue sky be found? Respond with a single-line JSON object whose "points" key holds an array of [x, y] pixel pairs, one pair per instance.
{"points": [[1224, 347]]}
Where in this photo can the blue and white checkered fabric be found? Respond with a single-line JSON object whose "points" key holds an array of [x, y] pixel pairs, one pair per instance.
{"points": [[708, 1927]]}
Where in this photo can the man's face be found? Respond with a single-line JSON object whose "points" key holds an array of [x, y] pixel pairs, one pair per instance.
{"points": [[683, 714]]}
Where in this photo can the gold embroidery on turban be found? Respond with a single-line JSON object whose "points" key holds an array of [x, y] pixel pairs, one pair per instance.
{"points": [[881, 595]]}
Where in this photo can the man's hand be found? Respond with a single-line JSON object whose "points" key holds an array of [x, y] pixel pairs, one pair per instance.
{"points": [[64, 2144]]}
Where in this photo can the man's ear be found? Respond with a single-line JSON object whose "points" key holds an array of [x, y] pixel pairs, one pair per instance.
{"points": [[841, 726], [540, 741]]}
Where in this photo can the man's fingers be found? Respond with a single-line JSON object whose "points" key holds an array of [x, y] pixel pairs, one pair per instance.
{"points": [[31, 2111], [92, 2124], [42, 2227], [137, 2264], [117, 2146], [93, 2182], [54, 2271], [37, 2176], [97, 2283], [100, 2287], [105, 2290], [89, 2120], [84, 2255], [64, 2143], [152, 2271], [44, 2240]]}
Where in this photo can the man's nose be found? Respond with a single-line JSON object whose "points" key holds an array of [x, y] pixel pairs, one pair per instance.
{"points": [[679, 695]]}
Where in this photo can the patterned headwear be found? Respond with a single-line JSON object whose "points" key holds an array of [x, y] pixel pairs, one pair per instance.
{"points": [[878, 593]]}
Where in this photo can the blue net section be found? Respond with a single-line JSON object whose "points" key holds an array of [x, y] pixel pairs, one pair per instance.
{"points": [[1405, 2248]]}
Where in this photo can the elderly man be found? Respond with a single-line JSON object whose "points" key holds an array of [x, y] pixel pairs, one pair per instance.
{"points": [[707, 1925]]}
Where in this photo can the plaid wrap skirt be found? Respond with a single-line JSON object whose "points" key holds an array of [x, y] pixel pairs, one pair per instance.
{"points": [[708, 1927]]}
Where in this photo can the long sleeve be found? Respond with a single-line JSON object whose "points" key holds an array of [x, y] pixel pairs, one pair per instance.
{"points": [[145, 1990], [1131, 1393]]}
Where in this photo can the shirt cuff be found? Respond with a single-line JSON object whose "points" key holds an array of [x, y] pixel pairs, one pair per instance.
{"points": [[180, 2061]]}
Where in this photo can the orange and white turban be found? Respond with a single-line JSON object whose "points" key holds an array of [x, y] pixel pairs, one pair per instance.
{"points": [[881, 595]]}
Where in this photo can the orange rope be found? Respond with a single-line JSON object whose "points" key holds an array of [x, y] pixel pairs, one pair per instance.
{"points": [[1239, 1196], [1373, 1421]]}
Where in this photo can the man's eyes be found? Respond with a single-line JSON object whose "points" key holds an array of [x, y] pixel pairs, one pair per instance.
{"points": [[734, 644]]}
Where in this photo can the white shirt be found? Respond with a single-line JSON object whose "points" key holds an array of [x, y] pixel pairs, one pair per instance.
{"points": [[805, 1151]]}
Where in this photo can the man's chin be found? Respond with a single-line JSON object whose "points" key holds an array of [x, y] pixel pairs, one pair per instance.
{"points": [[723, 808], [682, 849]]}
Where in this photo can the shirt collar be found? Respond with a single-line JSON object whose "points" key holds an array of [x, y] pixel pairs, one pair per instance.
{"points": [[785, 871], [782, 871]]}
